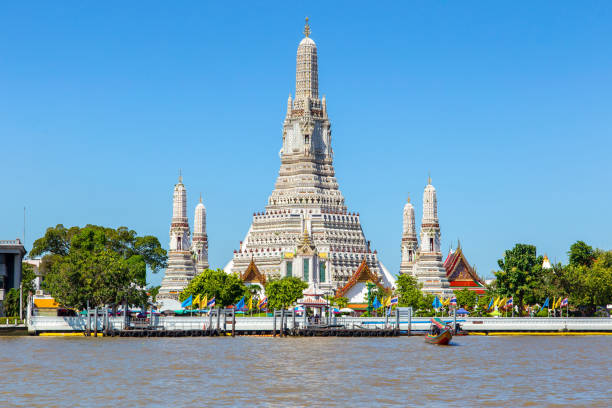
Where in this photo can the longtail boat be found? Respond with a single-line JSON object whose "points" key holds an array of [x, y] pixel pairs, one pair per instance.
{"points": [[439, 333]]}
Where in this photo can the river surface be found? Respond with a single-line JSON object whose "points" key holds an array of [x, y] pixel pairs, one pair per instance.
{"points": [[329, 372]]}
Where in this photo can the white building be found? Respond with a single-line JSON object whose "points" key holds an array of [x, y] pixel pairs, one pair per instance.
{"points": [[185, 259], [306, 229]]}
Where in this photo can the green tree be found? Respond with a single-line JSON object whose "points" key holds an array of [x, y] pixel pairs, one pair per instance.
{"points": [[409, 291], [11, 303], [284, 292], [520, 274], [588, 287], [226, 289], [581, 254], [101, 265], [466, 298], [153, 292]]}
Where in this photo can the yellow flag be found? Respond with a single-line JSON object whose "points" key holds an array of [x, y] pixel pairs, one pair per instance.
{"points": [[496, 302], [204, 302], [250, 302], [196, 301], [388, 301], [558, 304]]}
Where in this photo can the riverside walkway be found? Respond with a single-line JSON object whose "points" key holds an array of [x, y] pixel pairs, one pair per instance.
{"points": [[204, 325]]}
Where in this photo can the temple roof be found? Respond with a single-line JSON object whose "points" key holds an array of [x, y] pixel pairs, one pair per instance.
{"points": [[362, 274], [458, 269], [252, 274]]}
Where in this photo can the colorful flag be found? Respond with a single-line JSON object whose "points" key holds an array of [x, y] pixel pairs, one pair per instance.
{"points": [[187, 302], [453, 301], [496, 303], [558, 305], [240, 304], [545, 303], [211, 302], [251, 303], [564, 302], [376, 304], [491, 304], [204, 302], [262, 302], [510, 301], [388, 301], [436, 303], [394, 300], [196, 301]]}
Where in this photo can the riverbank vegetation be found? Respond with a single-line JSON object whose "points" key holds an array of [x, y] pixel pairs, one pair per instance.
{"points": [[95, 264]]}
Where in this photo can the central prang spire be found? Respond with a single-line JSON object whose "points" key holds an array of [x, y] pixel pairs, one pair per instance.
{"points": [[307, 71]]}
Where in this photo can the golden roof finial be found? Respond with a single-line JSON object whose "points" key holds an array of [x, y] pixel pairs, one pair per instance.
{"points": [[307, 28], [180, 176], [408, 197], [429, 178], [200, 197]]}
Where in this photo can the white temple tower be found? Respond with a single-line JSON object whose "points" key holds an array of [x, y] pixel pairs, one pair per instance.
{"points": [[200, 238], [409, 239], [429, 269], [180, 264], [306, 225]]}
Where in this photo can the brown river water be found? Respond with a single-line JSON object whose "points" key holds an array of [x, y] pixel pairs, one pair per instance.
{"points": [[319, 372]]}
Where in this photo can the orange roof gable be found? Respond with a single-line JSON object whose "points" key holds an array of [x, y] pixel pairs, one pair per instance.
{"points": [[252, 274], [362, 274]]}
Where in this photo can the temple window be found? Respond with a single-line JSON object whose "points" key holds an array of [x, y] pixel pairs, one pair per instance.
{"points": [[306, 265], [431, 244], [289, 269], [322, 272], [178, 244]]}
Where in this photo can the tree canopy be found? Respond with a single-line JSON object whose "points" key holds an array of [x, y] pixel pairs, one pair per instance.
{"points": [[586, 280], [410, 295], [226, 289], [284, 292], [520, 273], [104, 266]]}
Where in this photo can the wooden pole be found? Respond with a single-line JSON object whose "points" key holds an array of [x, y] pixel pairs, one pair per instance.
{"points": [[233, 323], [95, 321], [409, 321], [274, 324]]}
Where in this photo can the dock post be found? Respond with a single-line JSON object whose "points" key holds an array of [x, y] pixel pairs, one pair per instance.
{"points": [[95, 322], [88, 320], [397, 320], [386, 317], [293, 313], [218, 320], [233, 323], [454, 321], [210, 320], [274, 324], [409, 321], [305, 318]]}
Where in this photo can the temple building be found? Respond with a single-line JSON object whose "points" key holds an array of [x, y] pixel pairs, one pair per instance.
{"points": [[427, 266], [460, 274], [11, 256], [306, 229], [200, 238], [185, 259]]}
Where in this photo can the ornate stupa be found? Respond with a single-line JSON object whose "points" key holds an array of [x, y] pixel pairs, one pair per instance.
{"points": [[200, 238], [180, 262], [409, 239], [429, 268], [306, 229]]}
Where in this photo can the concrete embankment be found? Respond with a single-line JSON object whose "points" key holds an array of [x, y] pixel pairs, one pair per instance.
{"points": [[266, 325]]}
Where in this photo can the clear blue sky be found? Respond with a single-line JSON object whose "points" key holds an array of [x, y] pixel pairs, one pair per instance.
{"points": [[507, 104]]}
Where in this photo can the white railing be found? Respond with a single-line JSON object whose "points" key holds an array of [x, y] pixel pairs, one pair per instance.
{"points": [[79, 323]]}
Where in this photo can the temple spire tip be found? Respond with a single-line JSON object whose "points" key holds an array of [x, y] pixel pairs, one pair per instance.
{"points": [[307, 28]]}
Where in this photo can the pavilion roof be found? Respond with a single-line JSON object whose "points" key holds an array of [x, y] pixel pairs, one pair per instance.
{"points": [[252, 274], [362, 274], [459, 270]]}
